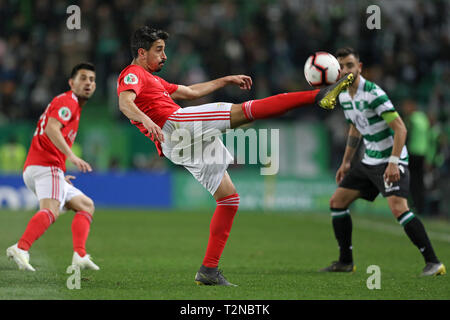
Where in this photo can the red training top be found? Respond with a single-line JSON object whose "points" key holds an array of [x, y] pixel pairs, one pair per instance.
{"points": [[43, 152], [152, 96]]}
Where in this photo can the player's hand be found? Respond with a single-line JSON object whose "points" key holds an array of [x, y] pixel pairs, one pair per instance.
{"points": [[82, 165], [153, 129], [244, 82], [342, 171], [68, 178], [392, 173]]}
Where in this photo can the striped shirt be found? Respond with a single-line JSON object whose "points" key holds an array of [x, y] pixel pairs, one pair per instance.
{"points": [[364, 112]]}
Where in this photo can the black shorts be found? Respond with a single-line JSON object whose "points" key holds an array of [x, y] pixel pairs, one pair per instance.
{"points": [[369, 181]]}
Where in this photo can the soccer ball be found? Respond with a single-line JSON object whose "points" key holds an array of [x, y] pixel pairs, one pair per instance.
{"points": [[322, 68]]}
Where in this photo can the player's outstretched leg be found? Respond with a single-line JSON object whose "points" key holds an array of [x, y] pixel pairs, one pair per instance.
{"points": [[415, 231], [220, 227], [279, 104], [326, 98], [36, 227]]}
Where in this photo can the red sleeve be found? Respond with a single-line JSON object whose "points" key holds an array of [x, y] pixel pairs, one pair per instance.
{"points": [[170, 87], [131, 79], [62, 109]]}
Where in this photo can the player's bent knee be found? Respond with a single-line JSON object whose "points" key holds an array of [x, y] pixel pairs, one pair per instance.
{"points": [[90, 206], [50, 204], [398, 209]]}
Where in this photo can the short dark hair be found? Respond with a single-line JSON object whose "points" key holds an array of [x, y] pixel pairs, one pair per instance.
{"points": [[144, 38], [345, 51], [80, 66]]}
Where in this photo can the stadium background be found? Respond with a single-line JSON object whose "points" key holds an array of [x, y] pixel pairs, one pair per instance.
{"points": [[268, 40]]}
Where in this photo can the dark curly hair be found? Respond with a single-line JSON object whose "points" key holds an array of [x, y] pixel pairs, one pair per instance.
{"points": [[343, 52], [80, 66], [144, 38]]}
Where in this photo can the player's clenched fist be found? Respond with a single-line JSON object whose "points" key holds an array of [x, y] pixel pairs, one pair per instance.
{"points": [[392, 173]]}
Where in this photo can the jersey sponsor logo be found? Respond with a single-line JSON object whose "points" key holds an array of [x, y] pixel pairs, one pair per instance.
{"points": [[131, 78], [64, 113], [389, 186], [72, 135]]}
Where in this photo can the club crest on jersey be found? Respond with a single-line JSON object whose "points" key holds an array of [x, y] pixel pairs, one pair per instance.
{"points": [[65, 113], [361, 121], [131, 78]]}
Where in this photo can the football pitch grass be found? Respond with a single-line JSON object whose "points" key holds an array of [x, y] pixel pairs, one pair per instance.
{"points": [[146, 254]]}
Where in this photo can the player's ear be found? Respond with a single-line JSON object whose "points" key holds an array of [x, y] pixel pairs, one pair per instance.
{"points": [[141, 52], [70, 82]]}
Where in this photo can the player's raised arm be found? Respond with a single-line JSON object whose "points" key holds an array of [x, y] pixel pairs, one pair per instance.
{"points": [[199, 90], [132, 112], [53, 132]]}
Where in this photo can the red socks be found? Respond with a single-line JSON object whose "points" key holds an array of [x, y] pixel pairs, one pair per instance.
{"points": [[36, 227], [277, 105], [80, 230], [219, 229], [42, 220]]}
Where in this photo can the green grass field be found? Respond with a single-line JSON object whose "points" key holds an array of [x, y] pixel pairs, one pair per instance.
{"points": [[155, 255]]}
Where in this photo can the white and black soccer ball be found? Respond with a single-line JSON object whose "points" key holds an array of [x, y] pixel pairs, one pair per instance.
{"points": [[321, 69]]}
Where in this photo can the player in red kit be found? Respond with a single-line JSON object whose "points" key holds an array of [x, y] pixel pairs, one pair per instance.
{"points": [[45, 167], [148, 101]]}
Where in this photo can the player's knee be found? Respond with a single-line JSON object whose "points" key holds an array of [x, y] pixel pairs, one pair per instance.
{"points": [[90, 206], [398, 209], [86, 204], [54, 212], [397, 205], [337, 202], [52, 206]]}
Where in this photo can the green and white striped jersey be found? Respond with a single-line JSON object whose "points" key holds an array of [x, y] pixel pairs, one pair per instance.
{"points": [[364, 112]]}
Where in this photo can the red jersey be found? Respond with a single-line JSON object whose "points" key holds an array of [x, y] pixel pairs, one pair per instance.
{"points": [[43, 152], [152, 96]]}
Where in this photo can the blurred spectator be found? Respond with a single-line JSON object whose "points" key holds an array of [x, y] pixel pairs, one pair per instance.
{"points": [[269, 40], [12, 156], [418, 126], [144, 162]]}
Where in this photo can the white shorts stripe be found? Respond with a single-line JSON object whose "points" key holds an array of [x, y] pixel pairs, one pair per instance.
{"points": [[49, 183]]}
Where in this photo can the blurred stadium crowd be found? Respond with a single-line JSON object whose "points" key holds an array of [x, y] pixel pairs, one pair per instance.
{"points": [[268, 40]]}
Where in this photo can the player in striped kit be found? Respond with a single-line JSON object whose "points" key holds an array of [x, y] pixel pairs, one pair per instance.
{"points": [[384, 167], [147, 100]]}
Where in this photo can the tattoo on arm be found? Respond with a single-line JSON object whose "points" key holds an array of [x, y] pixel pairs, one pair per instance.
{"points": [[353, 141]]}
